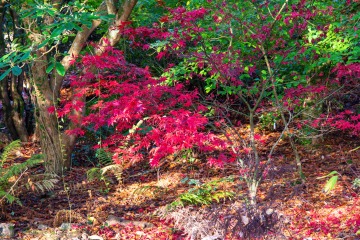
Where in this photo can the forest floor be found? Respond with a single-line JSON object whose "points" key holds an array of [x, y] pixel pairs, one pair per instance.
{"points": [[303, 209]]}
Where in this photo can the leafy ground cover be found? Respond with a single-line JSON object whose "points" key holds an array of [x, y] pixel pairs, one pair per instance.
{"points": [[305, 210]]}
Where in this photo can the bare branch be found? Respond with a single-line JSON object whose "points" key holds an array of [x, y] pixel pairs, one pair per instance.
{"points": [[114, 34]]}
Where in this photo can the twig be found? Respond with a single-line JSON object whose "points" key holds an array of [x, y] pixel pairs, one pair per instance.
{"points": [[12, 187]]}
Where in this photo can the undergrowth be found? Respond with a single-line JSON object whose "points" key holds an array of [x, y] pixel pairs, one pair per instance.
{"points": [[202, 194], [105, 165], [12, 174]]}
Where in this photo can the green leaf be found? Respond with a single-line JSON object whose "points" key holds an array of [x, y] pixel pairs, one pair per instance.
{"points": [[50, 67], [194, 182], [65, 39], [69, 26], [44, 43], [184, 180], [330, 185], [2, 64], [87, 23], [25, 56], [16, 70], [5, 74], [57, 32], [76, 27], [60, 69]]}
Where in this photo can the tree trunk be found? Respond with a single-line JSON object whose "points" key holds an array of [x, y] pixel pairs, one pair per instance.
{"points": [[7, 109], [47, 123], [18, 108], [56, 145], [11, 87], [253, 186], [14, 108], [6, 103]]}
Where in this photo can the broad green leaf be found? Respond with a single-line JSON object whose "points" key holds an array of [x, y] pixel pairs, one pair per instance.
{"points": [[330, 185], [25, 56], [16, 58], [107, 17], [87, 23], [50, 67], [57, 31], [76, 27], [3, 64], [65, 39], [44, 43], [27, 13], [60, 69], [5, 74], [7, 56], [16, 70]]}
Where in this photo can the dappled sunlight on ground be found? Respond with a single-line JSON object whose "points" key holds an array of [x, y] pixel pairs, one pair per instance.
{"points": [[306, 211]]}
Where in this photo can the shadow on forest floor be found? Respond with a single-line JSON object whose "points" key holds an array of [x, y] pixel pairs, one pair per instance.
{"points": [[304, 209]]}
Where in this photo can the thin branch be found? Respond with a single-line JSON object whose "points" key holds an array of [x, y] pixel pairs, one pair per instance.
{"points": [[12, 187]]}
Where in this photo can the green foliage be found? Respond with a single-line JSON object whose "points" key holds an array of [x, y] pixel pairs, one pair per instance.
{"points": [[356, 183], [187, 155], [106, 165], [268, 121], [12, 60], [202, 194], [10, 175], [305, 132], [67, 20], [103, 157], [154, 190], [13, 146], [331, 183], [94, 174]]}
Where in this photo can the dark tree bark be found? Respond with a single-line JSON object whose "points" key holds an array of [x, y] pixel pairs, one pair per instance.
{"points": [[18, 107], [12, 86]]}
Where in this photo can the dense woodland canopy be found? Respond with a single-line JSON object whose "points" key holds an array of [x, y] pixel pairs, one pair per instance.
{"points": [[242, 104]]}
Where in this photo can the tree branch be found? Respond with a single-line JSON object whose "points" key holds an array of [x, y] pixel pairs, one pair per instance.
{"points": [[76, 47], [114, 34]]}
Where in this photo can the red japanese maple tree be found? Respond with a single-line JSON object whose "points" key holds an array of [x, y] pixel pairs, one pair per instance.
{"points": [[262, 66], [149, 119]]}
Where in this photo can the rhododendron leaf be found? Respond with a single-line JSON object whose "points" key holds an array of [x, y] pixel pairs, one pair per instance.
{"points": [[16, 70], [50, 67], [2, 76], [60, 69]]}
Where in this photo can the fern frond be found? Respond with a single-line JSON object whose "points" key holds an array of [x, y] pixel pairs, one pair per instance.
{"points": [[42, 182], [8, 197], [115, 169], [93, 173], [14, 145], [7, 189], [19, 168], [46, 185], [104, 157]]}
